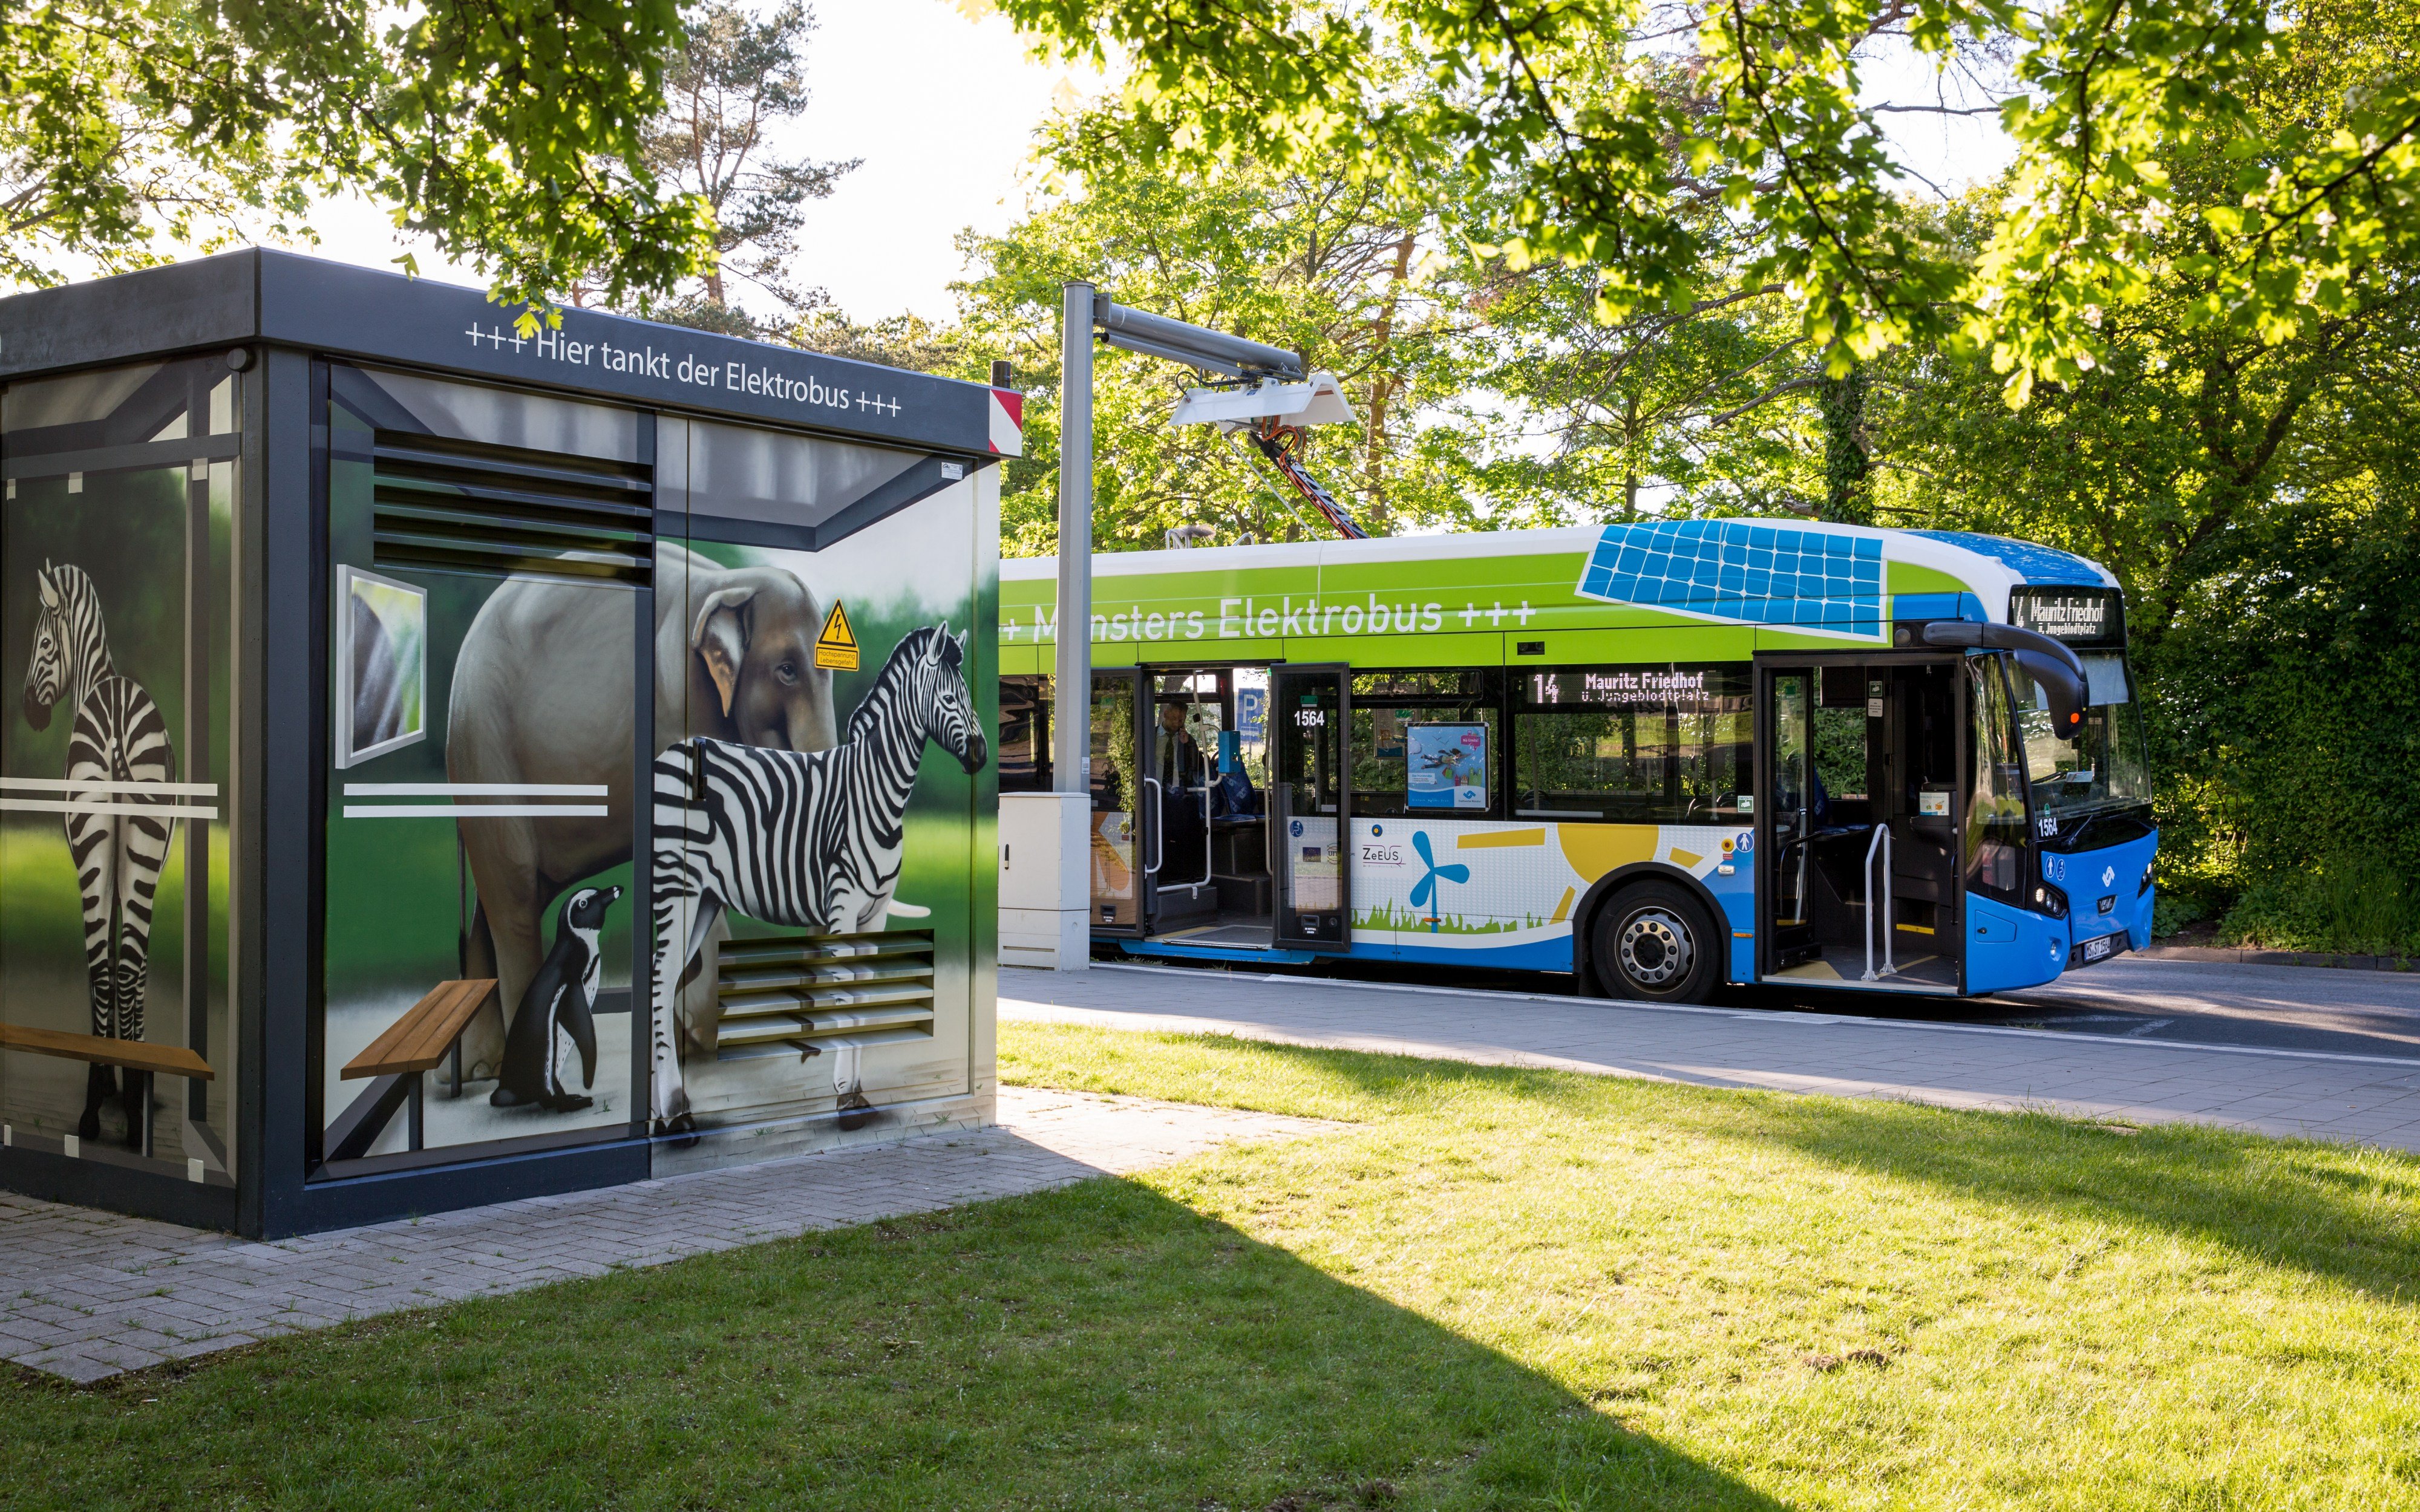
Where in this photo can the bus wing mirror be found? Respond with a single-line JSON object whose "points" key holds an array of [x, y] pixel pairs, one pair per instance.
{"points": [[2057, 669], [2061, 687]]}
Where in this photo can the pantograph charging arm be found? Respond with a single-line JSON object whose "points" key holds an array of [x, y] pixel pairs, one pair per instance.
{"points": [[1283, 445]]}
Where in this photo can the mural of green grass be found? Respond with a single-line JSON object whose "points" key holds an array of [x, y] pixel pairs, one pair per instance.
{"points": [[1387, 916], [41, 908]]}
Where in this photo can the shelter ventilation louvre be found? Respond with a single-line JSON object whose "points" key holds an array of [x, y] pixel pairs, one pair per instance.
{"points": [[465, 506], [814, 993]]}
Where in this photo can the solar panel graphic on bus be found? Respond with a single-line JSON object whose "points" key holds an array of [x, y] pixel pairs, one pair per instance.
{"points": [[2035, 563], [1734, 570]]}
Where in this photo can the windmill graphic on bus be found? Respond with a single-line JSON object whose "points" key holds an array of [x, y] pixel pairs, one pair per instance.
{"points": [[1426, 889]]}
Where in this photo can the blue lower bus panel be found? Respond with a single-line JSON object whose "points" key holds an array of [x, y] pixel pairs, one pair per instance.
{"points": [[2109, 897], [2116, 879], [2010, 947]]}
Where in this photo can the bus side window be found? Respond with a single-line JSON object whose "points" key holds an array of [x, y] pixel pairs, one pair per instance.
{"points": [[1656, 744], [1389, 708]]}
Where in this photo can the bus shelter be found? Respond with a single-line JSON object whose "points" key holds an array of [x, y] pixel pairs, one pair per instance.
{"points": [[458, 761]]}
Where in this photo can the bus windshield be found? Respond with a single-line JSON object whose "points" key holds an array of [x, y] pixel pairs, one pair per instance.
{"points": [[2103, 766]]}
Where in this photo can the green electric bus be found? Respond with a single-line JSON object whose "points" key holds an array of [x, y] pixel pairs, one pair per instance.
{"points": [[1659, 756]]}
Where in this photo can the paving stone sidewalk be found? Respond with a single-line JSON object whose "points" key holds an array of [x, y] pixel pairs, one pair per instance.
{"points": [[2366, 1098], [88, 1295]]}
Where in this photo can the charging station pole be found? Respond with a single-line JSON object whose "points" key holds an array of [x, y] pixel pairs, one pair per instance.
{"points": [[1045, 911], [1071, 736]]}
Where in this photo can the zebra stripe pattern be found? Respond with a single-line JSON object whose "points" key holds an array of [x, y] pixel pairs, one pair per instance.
{"points": [[71, 644], [805, 840], [118, 737]]}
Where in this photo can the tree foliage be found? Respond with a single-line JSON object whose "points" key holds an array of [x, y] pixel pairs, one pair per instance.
{"points": [[508, 131], [736, 78], [1618, 120], [1314, 260], [1702, 409], [2252, 490], [1486, 393]]}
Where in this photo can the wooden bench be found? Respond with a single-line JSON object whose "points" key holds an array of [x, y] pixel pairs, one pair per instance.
{"points": [[135, 1056], [427, 1034]]}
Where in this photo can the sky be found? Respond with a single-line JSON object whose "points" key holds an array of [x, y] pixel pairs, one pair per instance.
{"points": [[941, 110]]}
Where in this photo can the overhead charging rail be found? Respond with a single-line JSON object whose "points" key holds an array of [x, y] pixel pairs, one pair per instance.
{"points": [[1269, 395]]}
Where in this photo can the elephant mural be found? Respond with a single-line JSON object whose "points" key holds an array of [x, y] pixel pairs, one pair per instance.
{"points": [[541, 696]]}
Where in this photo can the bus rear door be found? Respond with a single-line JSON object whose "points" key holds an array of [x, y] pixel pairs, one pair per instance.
{"points": [[1312, 804], [1123, 857]]}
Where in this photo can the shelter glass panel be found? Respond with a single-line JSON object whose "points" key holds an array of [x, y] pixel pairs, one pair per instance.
{"points": [[815, 691], [118, 552], [490, 558]]}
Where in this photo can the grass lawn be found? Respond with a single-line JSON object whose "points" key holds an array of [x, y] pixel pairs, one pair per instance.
{"points": [[1498, 1288]]}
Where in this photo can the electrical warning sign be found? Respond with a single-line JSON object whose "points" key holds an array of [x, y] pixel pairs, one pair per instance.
{"points": [[836, 646]]}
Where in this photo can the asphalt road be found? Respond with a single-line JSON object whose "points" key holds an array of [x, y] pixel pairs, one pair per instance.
{"points": [[2194, 1002], [2291, 1008], [2278, 1008]]}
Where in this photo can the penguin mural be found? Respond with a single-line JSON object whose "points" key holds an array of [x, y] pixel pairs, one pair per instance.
{"points": [[557, 1013]]}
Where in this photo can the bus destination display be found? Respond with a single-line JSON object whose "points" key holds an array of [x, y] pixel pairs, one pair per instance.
{"points": [[2080, 617]]}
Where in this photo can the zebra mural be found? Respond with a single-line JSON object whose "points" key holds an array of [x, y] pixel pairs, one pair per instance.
{"points": [[806, 840], [118, 741]]}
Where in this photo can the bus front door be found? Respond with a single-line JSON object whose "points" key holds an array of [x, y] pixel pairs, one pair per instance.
{"points": [[1312, 801], [1857, 812], [1124, 816]]}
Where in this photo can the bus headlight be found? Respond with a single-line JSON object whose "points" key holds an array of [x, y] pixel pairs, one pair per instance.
{"points": [[2050, 901]]}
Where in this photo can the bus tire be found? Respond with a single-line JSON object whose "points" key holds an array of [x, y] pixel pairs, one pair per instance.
{"points": [[1652, 944]]}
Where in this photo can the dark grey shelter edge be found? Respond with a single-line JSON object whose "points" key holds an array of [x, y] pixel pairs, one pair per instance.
{"points": [[282, 320]]}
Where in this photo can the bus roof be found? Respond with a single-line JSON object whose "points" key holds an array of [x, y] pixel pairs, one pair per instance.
{"points": [[1803, 580]]}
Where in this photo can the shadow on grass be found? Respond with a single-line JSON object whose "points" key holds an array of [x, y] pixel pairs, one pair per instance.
{"points": [[2333, 1210], [1092, 1346], [2340, 1211]]}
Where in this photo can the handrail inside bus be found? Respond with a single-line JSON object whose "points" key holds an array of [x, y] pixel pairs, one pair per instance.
{"points": [[1209, 866], [1157, 826], [1882, 840]]}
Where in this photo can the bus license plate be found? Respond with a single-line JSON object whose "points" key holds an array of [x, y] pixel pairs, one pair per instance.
{"points": [[2100, 949]]}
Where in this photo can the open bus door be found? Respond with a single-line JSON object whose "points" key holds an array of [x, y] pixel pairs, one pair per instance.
{"points": [[1857, 799], [1311, 806], [1124, 842]]}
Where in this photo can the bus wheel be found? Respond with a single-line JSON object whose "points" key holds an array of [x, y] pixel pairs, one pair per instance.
{"points": [[1652, 942]]}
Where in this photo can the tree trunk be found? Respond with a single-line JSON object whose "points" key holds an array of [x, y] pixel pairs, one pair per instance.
{"points": [[1848, 499]]}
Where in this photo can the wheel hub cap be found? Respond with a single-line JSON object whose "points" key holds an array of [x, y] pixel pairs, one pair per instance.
{"points": [[1656, 949]]}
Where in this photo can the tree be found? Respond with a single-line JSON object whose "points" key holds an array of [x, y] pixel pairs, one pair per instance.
{"points": [[1316, 260], [1700, 410], [508, 131], [1488, 394], [2254, 493], [2165, 457], [1620, 121], [734, 79]]}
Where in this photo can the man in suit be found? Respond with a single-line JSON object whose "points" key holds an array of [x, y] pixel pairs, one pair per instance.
{"points": [[1182, 764]]}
